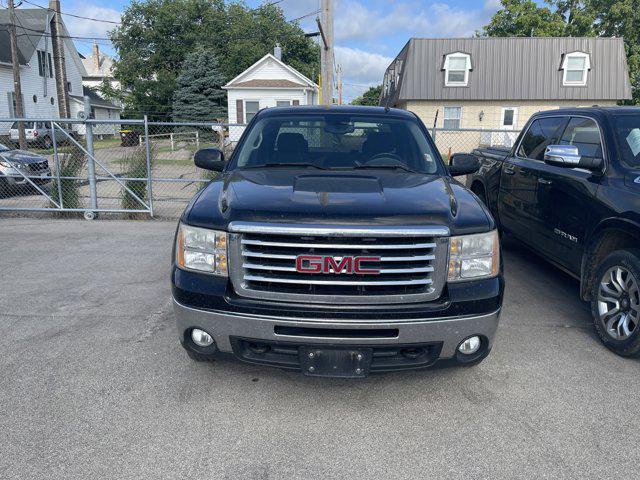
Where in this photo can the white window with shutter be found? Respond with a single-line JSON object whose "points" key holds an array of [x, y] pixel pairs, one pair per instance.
{"points": [[456, 69], [576, 67]]}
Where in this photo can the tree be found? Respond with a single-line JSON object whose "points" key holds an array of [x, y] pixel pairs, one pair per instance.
{"points": [[370, 97], [155, 36], [524, 18], [621, 18], [199, 95]]}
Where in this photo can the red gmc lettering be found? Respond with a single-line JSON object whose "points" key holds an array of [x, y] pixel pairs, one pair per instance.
{"points": [[366, 271], [329, 265], [309, 264]]}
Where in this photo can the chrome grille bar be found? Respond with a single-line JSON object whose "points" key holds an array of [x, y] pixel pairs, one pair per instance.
{"points": [[343, 246], [252, 266], [256, 278]]}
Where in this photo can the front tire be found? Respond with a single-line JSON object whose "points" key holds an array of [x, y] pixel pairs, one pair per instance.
{"points": [[615, 302]]}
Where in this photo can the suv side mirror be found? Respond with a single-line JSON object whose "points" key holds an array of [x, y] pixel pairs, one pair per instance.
{"points": [[568, 156], [463, 164], [209, 159]]}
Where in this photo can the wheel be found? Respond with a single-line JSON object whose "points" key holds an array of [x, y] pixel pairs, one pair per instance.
{"points": [[89, 215], [615, 302]]}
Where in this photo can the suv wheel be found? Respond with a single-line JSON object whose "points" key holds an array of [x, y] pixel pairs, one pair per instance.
{"points": [[615, 302]]}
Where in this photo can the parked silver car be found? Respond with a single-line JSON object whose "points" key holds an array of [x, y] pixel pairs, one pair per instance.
{"points": [[15, 165], [39, 133]]}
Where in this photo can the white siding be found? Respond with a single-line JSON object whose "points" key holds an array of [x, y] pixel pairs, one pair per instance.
{"points": [[269, 70], [33, 84], [267, 98]]}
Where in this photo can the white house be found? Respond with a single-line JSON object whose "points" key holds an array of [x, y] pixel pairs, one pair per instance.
{"points": [[37, 73], [267, 83]]}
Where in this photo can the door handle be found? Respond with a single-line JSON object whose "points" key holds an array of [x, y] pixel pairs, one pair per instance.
{"points": [[509, 171], [544, 181]]}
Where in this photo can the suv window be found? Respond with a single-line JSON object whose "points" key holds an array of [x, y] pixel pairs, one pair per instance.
{"points": [[584, 134], [542, 133]]}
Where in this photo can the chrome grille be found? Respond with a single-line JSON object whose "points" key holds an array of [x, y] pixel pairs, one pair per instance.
{"points": [[411, 266]]}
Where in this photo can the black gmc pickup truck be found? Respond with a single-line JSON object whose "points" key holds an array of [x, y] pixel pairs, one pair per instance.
{"points": [[335, 242], [570, 189]]}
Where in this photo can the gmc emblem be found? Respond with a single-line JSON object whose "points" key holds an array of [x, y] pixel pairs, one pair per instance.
{"points": [[337, 265]]}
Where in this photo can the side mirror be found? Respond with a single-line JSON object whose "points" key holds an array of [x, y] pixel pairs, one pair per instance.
{"points": [[463, 164], [568, 156], [209, 159]]}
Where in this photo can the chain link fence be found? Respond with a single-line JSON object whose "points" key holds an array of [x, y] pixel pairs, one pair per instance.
{"points": [[135, 168]]}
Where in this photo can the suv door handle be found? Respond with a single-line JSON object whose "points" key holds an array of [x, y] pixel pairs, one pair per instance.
{"points": [[544, 181], [509, 171]]}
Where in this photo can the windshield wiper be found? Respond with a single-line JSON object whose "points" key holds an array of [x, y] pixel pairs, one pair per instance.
{"points": [[389, 165], [286, 164]]}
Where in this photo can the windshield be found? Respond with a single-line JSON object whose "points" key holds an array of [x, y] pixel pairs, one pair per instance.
{"points": [[335, 141], [627, 128], [27, 125]]}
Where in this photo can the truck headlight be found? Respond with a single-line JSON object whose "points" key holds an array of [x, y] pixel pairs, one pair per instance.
{"points": [[474, 256], [202, 250]]}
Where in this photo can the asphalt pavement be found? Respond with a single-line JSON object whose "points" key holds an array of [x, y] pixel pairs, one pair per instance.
{"points": [[94, 384]]}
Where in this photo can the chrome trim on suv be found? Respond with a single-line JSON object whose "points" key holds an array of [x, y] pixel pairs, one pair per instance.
{"points": [[412, 265]]}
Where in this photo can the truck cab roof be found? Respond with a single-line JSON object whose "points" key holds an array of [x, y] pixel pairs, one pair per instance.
{"points": [[595, 111], [336, 109]]}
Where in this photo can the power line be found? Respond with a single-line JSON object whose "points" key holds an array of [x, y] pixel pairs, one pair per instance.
{"points": [[73, 14], [315, 12]]}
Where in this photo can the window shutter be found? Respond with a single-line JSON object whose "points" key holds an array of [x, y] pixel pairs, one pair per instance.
{"points": [[239, 111], [296, 103]]}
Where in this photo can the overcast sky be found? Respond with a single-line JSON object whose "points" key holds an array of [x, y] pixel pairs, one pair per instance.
{"points": [[368, 33]]}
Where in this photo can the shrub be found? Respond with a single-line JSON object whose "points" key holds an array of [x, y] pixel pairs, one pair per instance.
{"points": [[134, 165], [72, 161]]}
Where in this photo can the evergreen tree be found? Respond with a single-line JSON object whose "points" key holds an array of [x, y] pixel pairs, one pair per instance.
{"points": [[199, 95]]}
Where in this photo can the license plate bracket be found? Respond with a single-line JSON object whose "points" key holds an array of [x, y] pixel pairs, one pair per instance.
{"points": [[335, 362]]}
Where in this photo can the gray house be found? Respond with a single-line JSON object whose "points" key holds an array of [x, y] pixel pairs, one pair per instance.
{"points": [[498, 83]]}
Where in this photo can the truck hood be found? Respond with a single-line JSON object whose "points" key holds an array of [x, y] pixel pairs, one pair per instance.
{"points": [[366, 197]]}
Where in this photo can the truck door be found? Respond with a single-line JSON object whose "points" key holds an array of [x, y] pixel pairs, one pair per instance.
{"points": [[565, 196], [518, 205]]}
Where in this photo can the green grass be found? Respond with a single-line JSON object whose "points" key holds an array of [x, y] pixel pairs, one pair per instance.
{"points": [[134, 165]]}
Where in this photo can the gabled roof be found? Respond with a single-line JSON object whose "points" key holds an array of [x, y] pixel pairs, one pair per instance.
{"points": [[268, 83], [95, 100], [509, 68], [288, 72], [31, 25]]}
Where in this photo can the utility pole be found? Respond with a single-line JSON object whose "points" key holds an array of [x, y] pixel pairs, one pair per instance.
{"points": [[339, 84], [326, 52], [17, 87], [58, 60]]}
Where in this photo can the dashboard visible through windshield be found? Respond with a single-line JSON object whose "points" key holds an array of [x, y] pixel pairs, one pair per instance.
{"points": [[337, 142]]}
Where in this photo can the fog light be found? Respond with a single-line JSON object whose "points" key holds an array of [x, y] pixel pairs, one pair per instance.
{"points": [[201, 338], [470, 345]]}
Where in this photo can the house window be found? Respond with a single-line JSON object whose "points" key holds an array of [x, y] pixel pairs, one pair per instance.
{"points": [[45, 66], [452, 117], [576, 66], [456, 69], [509, 118], [251, 107], [283, 103], [69, 87]]}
